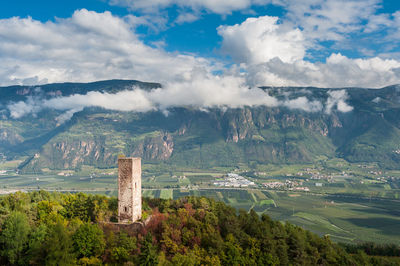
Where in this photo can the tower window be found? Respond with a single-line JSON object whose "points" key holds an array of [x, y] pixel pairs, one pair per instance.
{"points": [[125, 209]]}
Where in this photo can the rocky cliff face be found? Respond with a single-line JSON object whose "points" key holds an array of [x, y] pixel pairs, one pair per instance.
{"points": [[9, 137], [159, 147], [239, 124], [71, 154], [245, 123]]}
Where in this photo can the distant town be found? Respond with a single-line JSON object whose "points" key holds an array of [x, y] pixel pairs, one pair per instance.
{"points": [[234, 180]]}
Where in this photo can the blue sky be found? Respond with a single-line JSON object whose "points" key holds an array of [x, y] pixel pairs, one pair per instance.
{"points": [[326, 43], [199, 36]]}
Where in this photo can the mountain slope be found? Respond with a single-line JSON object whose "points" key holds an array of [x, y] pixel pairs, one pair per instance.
{"points": [[201, 137]]}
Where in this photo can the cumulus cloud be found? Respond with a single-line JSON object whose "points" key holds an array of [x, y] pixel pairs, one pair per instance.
{"points": [[86, 47], [92, 46], [338, 71], [346, 24], [273, 55], [261, 39]]}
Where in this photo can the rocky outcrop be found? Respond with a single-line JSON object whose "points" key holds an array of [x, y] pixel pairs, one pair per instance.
{"points": [[159, 147], [71, 154], [243, 123], [239, 124], [9, 137]]}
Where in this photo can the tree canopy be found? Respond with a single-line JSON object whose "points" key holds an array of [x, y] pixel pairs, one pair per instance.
{"points": [[42, 228]]}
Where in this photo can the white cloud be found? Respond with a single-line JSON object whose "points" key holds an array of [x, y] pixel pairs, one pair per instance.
{"points": [[319, 19], [260, 39], [394, 32], [86, 47], [273, 55], [378, 22], [385, 22], [129, 100], [123, 101], [93, 46], [201, 90], [329, 19], [215, 6], [205, 90], [21, 108], [341, 22], [186, 17], [61, 119], [337, 98], [377, 100], [302, 103], [338, 71]]}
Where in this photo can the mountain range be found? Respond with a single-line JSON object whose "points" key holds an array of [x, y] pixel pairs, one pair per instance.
{"points": [[356, 124]]}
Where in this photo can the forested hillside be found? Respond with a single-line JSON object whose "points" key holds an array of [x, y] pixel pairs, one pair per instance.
{"points": [[42, 228]]}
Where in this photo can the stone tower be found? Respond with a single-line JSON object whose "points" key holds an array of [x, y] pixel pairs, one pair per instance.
{"points": [[129, 190]]}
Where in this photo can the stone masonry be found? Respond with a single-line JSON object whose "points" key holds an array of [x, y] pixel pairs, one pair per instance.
{"points": [[129, 190]]}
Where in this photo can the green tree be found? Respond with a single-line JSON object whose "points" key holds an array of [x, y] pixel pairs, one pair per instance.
{"points": [[35, 244], [122, 248], [233, 251], [14, 237], [149, 254], [89, 240], [58, 247]]}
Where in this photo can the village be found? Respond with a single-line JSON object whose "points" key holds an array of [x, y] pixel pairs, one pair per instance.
{"points": [[234, 180]]}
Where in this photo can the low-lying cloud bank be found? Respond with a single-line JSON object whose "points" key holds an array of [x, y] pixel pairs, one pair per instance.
{"points": [[201, 91]]}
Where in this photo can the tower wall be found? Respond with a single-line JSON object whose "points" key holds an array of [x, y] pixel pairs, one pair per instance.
{"points": [[129, 190]]}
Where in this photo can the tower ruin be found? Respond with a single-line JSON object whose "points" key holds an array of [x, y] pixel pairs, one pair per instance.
{"points": [[129, 190]]}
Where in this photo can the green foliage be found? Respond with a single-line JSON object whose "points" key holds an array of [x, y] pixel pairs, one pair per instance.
{"points": [[36, 244], [89, 240], [188, 231], [121, 247], [58, 246], [14, 237], [149, 254]]}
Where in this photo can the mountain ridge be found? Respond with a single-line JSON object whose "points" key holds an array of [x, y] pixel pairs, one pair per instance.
{"points": [[199, 137]]}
